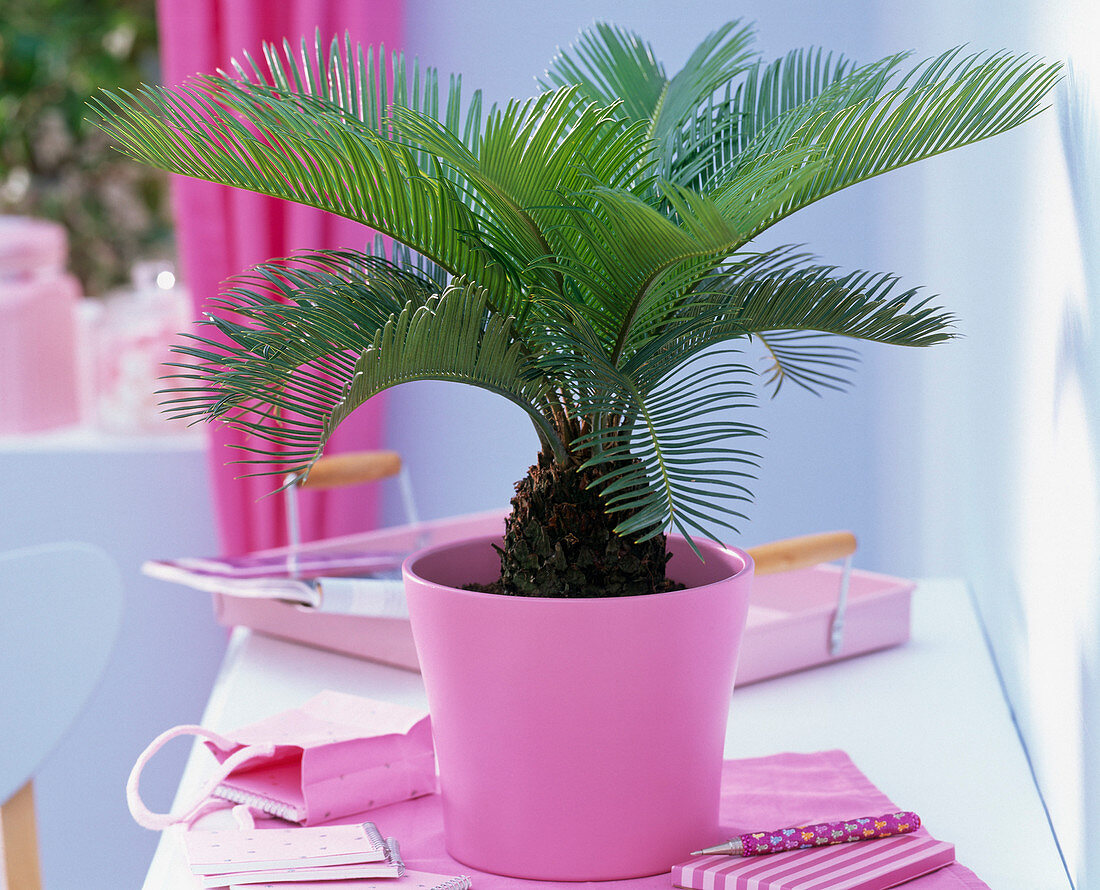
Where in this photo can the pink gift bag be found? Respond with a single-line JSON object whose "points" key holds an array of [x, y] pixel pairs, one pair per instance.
{"points": [[336, 755]]}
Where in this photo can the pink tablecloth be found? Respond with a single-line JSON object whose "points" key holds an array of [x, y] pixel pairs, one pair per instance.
{"points": [[757, 793]]}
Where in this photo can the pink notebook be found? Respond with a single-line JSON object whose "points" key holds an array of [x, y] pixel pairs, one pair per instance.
{"points": [[338, 874], [236, 851], [869, 865], [412, 880]]}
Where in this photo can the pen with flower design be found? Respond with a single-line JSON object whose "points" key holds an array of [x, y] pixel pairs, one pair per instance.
{"points": [[823, 834]]}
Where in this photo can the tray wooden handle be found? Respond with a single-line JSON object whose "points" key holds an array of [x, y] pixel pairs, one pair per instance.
{"points": [[800, 553], [353, 468]]}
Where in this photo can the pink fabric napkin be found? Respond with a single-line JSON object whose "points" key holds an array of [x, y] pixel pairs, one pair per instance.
{"points": [[760, 792]]}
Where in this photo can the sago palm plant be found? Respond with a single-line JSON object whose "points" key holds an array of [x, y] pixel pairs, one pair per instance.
{"points": [[586, 253]]}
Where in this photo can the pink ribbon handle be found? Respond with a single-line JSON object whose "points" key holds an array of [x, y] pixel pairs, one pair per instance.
{"points": [[146, 818]]}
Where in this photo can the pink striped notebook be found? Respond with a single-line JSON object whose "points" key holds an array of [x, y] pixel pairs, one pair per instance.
{"points": [[870, 865]]}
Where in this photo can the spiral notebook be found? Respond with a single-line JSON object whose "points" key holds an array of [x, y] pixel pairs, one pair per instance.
{"points": [[326, 857], [280, 856], [867, 865]]}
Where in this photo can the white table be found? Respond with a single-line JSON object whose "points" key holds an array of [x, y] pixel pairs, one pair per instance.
{"points": [[927, 722]]}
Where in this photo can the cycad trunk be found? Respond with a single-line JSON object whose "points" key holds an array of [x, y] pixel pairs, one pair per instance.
{"points": [[559, 541]]}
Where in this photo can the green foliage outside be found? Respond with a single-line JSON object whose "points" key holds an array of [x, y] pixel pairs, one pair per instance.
{"points": [[53, 162]]}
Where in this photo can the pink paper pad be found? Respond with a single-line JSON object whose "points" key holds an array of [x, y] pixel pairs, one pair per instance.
{"points": [[758, 793]]}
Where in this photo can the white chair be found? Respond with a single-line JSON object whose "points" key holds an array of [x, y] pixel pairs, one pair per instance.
{"points": [[60, 612]]}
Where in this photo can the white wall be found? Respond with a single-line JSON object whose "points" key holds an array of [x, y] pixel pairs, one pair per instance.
{"points": [[1008, 483]]}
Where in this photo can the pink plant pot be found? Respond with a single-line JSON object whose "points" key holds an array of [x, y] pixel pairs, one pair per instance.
{"points": [[578, 739]]}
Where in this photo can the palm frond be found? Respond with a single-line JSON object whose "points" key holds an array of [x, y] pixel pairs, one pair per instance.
{"points": [[862, 305], [666, 445], [614, 246], [797, 87], [610, 65], [629, 256], [787, 301], [355, 80], [786, 90], [319, 334], [236, 135], [813, 361], [532, 154], [722, 56], [272, 365], [454, 337], [941, 104]]}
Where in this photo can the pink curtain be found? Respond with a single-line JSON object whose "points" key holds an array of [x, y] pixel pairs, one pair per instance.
{"points": [[221, 231]]}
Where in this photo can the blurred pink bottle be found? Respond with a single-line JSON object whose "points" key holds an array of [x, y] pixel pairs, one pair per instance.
{"points": [[38, 350], [129, 337]]}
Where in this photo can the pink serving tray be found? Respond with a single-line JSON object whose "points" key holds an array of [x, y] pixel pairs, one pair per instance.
{"points": [[790, 613]]}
